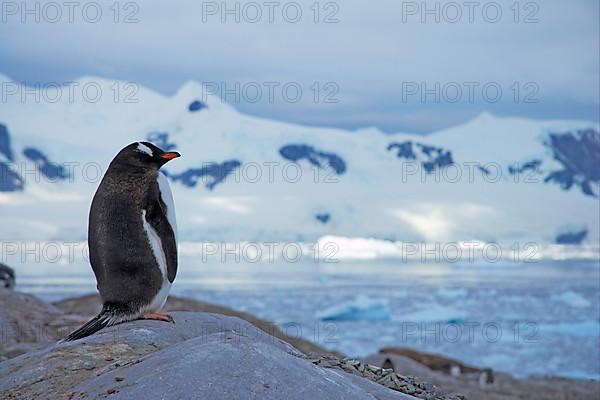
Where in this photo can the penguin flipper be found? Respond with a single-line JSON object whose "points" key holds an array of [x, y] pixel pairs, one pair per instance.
{"points": [[158, 219]]}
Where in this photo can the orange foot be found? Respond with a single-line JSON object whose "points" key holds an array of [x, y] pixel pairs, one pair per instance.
{"points": [[158, 316]]}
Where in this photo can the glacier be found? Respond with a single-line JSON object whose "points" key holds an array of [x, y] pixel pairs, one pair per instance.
{"points": [[244, 178]]}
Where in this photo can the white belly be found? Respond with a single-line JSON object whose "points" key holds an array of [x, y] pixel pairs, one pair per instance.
{"points": [[155, 243]]}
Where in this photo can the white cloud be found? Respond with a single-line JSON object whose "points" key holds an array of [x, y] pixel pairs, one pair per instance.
{"points": [[436, 222], [369, 54]]}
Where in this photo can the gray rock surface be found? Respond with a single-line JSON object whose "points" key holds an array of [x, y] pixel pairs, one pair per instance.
{"points": [[141, 358], [201, 356], [88, 306], [28, 323]]}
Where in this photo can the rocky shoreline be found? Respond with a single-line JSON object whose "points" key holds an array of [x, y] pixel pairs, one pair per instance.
{"points": [[30, 329]]}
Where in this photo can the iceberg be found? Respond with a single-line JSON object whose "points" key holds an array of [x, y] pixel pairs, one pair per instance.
{"points": [[362, 308]]}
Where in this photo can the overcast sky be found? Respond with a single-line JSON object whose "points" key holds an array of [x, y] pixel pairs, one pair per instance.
{"points": [[375, 60]]}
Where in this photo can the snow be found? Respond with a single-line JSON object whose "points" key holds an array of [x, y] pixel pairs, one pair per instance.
{"points": [[468, 252], [377, 202]]}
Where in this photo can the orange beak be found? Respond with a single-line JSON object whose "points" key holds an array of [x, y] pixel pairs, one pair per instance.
{"points": [[170, 156]]}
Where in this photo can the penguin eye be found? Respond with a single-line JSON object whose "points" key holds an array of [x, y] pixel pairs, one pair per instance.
{"points": [[142, 148]]}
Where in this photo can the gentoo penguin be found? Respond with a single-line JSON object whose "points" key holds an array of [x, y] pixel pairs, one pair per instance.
{"points": [[7, 277], [132, 238]]}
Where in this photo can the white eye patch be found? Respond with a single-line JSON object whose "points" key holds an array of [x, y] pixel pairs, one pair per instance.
{"points": [[142, 148]]}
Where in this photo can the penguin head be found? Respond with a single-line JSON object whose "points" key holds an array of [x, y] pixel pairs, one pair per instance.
{"points": [[145, 154]]}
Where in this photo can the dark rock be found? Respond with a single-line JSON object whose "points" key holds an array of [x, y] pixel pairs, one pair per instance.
{"points": [[196, 105], [213, 174], [200, 356], [119, 353], [320, 159], [533, 166], [323, 218], [579, 154], [387, 378], [161, 139], [478, 386], [5, 147], [572, 237], [28, 323], [431, 158], [484, 170], [405, 150], [50, 170], [432, 361], [10, 181]]}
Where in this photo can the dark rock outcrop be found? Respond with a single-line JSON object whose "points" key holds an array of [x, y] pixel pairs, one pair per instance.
{"points": [[404, 150], [201, 355], [323, 218], [196, 105], [320, 159], [161, 139], [28, 323], [579, 154], [5, 147], [10, 181], [436, 362], [529, 166], [572, 237], [212, 174], [49, 169], [431, 158], [474, 385], [211, 355]]}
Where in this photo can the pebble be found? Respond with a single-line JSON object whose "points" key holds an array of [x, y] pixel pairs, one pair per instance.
{"points": [[386, 377]]}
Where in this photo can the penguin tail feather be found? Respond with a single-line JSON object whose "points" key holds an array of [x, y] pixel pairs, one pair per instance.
{"points": [[104, 319]]}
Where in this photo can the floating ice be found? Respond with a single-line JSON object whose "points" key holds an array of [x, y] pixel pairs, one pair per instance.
{"points": [[452, 293], [573, 299], [360, 309], [575, 329], [436, 313]]}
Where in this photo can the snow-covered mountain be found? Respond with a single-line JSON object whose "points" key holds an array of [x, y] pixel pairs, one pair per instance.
{"points": [[247, 178]]}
